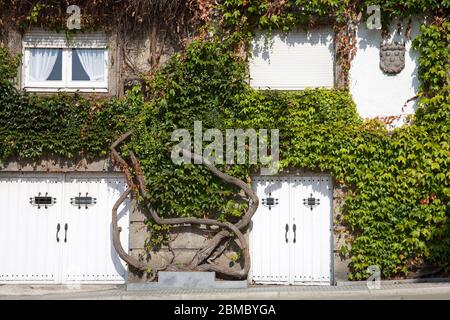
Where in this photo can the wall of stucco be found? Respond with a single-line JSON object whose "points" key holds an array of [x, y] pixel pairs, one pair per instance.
{"points": [[374, 92], [340, 235], [136, 52]]}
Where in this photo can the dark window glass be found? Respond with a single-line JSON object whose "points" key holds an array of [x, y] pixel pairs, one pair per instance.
{"points": [[56, 74], [78, 73]]}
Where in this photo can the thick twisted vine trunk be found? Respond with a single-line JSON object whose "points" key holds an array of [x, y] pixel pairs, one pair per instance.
{"points": [[228, 229]]}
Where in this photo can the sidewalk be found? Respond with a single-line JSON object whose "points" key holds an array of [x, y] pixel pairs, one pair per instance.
{"points": [[113, 292]]}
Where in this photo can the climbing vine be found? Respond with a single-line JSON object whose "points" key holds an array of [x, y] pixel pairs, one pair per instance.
{"points": [[125, 15], [65, 125], [397, 209]]}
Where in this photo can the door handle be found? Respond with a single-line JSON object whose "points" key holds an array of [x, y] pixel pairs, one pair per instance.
{"points": [[58, 227], [285, 235], [294, 227], [66, 226]]}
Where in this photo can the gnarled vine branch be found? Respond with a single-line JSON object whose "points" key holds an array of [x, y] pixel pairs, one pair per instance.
{"points": [[228, 229]]}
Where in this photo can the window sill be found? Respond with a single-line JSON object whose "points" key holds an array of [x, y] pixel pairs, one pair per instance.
{"points": [[70, 90], [287, 88]]}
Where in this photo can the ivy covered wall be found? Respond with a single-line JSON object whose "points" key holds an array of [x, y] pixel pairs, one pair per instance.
{"points": [[397, 210], [65, 125]]}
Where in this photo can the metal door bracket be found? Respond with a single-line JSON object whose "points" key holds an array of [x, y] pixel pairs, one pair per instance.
{"points": [[40, 200], [269, 201], [83, 201], [311, 202]]}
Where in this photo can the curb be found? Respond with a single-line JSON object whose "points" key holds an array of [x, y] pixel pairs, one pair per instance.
{"points": [[390, 282]]}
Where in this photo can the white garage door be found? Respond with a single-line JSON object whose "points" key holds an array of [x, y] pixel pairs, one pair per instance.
{"points": [[291, 236], [57, 228]]}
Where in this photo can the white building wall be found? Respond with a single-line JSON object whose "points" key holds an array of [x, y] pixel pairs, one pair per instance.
{"points": [[374, 92]]}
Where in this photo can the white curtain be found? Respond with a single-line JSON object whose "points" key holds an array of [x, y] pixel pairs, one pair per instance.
{"points": [[93, 62], [42, 62]]}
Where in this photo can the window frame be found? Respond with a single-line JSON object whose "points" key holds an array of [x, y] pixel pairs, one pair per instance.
{"points": [[49, 40]]}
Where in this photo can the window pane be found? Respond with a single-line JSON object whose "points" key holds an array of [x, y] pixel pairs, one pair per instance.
{"points": [[78, 73], [45, 64], [56, 74], [88, 64]]}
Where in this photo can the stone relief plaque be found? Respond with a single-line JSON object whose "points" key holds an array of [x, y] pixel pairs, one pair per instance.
{"points": [[392, 58]]}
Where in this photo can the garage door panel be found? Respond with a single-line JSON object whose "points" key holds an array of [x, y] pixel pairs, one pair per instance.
{"points": [[300, 253], [268, 239], [91, 256], [29, 232], [278, 217], [304, 203], [312, 254], [30, 252]]}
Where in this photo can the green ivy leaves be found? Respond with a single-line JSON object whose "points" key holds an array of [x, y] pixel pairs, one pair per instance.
{"points": [[33, 126], [397, 210], [8, 67], [398, 206]]}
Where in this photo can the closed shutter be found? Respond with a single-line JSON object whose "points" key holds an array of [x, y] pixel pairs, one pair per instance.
{"points": [[293, 61], [45, 39]]}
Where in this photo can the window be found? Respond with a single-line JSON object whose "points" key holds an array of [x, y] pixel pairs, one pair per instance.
{"points": [[53, 62], [293, 61]]}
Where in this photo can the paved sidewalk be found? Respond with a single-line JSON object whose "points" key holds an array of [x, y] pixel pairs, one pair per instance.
{"points": [[352, 292]]}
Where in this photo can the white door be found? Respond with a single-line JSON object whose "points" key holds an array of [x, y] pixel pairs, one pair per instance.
{"points": [[89, 255], [291, 238], [29, 215], [270, 248], [67, 241], [311, 204]]}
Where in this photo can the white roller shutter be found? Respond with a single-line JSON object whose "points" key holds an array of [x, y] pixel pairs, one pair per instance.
{"points": [[293, 61], [38, 38]]}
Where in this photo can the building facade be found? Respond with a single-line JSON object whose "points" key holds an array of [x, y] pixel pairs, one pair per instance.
{"points": [[57, 218]]}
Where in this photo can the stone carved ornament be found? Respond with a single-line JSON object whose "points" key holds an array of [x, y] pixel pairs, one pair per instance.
{"points": [[392, 57]]}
